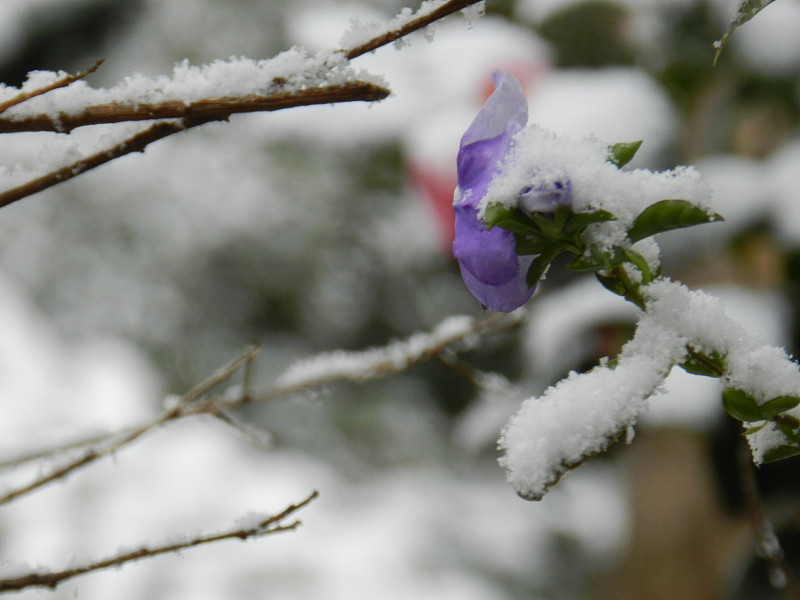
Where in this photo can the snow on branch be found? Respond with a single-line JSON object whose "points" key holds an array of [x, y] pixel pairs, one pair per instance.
{"points": [[62, 82], [395, 357], [305, 376], [585, 413], [245, 528], [212, 92], [195, 95]]}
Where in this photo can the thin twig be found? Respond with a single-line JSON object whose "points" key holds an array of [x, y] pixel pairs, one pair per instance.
{"points": [[770, 549], [410, 27], [63, 82], [491, 382], [50, 580], [136, 143], [91, 455]]}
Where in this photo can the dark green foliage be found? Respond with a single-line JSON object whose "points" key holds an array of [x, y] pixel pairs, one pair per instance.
{"points": [[667, 215]]}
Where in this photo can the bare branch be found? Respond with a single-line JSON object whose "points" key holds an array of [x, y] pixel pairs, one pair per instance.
{"points": [[92, 454], [269, 525], [63, 82]]}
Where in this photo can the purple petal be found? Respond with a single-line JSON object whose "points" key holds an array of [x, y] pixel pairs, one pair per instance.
{"points": [[489, 263], [488, 138], [506, 107], [489, 254], [488, 260]]}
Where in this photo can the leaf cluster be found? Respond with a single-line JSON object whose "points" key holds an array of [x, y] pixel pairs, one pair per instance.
{"points": [[547, 235], [743, 407]]}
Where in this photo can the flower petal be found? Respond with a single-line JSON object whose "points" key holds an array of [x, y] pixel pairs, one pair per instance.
{"points": [[501, 298], [489, 254], [488, 260], [488, 138]]}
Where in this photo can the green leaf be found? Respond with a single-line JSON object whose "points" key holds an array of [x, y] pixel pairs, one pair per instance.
{"points": [[694, 368], [612, 284], [789, 431], [583, 263], [776, 406], [533, 245], [746, 11], [641, 264], [621, 154], [780, 453], [547, 225], [596, 259], [740, 405], [666, 215], [497, 213], [704, 365], [539, 265], [511, 219], [579, 221], [754, 428], [561, 215], [517, 226]]}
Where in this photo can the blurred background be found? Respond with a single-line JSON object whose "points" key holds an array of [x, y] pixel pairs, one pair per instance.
{"points": [[329, 227]]}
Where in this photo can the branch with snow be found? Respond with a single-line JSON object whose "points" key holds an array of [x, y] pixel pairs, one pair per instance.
{"points": [[526, 196], [196, 95], [585, 413], [306, 376], [247, 527]]}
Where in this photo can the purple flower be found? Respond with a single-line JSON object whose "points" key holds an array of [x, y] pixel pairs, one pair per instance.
{"points": [[490, 266]]}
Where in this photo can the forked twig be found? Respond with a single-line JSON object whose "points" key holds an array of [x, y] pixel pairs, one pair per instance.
{"points": [[267, 526], [63, 82]]}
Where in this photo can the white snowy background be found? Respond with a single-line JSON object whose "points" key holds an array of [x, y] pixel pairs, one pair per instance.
{"points": [[310, 230]]}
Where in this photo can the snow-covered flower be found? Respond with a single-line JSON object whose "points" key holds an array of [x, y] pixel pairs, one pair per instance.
{"points": [[490, 266]]}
